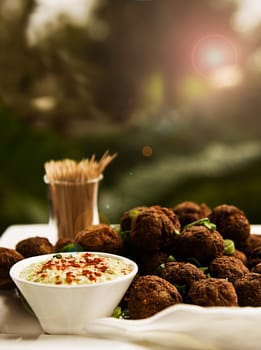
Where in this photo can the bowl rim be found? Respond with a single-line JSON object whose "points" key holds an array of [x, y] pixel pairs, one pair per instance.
{"points": [[21, 264]]}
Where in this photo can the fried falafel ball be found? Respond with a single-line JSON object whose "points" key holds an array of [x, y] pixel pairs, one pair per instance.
{"points": [[248, 289], [8, 257], [253, 242], [227, 267], [125, 300], [199, 242], [254, 257], [182, 274], [100, 237], [128, 216], [154, 228], [256, 268], [149, 262], [231, 223], [151, 294], [33, 246], [62, 243], [189, 212], [241, 256], [212, 292]]}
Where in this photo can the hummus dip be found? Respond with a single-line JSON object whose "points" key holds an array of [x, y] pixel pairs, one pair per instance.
{"points": [[76, 269]]}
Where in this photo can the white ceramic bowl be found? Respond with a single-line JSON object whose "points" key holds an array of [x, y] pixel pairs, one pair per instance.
{"points": [[66, 309]]}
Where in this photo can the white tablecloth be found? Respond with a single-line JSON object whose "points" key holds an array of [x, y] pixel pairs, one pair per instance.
{"points": [[15, 233]]}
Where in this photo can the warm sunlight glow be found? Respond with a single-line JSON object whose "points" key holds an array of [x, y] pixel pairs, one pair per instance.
{"points": [[225, 77], [248, 16], [212, 52]]}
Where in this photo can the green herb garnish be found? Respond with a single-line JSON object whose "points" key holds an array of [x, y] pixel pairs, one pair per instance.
{"points": [[171, 258], [193, 261], [72, 247], [229, 247], [182, 288], [57, 256], [204, 221], [205, 270], [133, 213], [159, 269], [125, 235], [119, 313]]}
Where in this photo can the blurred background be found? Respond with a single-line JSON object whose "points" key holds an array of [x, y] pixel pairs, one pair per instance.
{"points": [[172, 86]]}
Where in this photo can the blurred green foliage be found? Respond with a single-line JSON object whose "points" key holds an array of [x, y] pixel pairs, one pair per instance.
{"points": [[122, 81], [166, 178]]}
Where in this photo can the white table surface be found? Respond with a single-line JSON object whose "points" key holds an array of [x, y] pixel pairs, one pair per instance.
{"points": [[180, 327], [15, 233]]}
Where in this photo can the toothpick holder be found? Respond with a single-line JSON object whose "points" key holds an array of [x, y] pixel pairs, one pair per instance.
{"points": [[73, 206]]}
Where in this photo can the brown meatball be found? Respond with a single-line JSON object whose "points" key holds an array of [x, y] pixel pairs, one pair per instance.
{"points": [[149, 262], [254, 256], [248, 289], [189, 212], [8, 257], [128, 216], [101, 238], [253, 241], [34, 246], [200, 243], [227, 267], [61, 243], [154, 229], [231, 223], [151, 294], [212, 292], [241, 256], [182, 273], [256, 268], [125, 300]]}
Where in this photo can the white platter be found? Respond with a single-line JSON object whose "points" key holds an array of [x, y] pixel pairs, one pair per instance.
{"points": [[181, 327]]}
